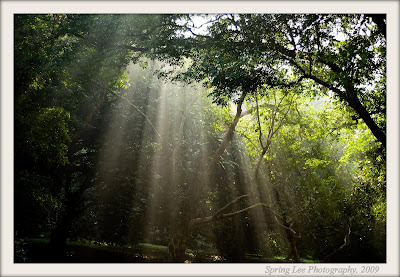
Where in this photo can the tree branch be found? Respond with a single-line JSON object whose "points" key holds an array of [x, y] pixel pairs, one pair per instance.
{"points": [[271, 132], [229, 204], [242, 210], [335, 68], [246, 137], [219, 216], [325, 84]]}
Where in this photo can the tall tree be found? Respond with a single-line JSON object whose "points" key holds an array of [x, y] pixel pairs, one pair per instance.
{"points": [[70, 74], [343, 54], [67, 67]]}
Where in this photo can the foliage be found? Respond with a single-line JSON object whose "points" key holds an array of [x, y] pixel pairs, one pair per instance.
{"points": [[245, 51], [106, 150]]}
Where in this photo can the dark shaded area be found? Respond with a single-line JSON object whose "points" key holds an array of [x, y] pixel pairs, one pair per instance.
{"points": [[40, 252], [380, 21]]}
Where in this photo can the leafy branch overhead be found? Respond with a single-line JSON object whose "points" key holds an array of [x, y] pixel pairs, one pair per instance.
{"points": [[345, 54]]}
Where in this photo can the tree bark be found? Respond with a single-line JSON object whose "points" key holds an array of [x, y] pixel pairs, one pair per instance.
{"points": [[287, 225]]}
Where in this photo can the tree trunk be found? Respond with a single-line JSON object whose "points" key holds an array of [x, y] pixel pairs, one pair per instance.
{"points": [[58, 238], [225, 141], [177, 246], [58, 243], [293, 245], [292, 236]]}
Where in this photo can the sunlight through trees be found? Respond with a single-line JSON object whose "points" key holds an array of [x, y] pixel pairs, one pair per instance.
{"points": [[220, 138]]}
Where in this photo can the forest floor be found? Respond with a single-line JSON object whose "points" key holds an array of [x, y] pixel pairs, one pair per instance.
{"points": [[37, 250]]}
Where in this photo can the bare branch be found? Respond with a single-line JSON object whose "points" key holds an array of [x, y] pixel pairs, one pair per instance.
{"points": [[297, 212], [219, 216], [242, 210], [230, 204]]}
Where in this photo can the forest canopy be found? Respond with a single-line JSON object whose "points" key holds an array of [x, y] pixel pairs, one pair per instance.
{"points": [[200, 138]]}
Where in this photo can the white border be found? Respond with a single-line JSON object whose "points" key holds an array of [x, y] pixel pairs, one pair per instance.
{"points": [[8, 8]]}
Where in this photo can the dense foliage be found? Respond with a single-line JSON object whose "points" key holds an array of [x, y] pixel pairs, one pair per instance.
{"points": [[258, 134]]}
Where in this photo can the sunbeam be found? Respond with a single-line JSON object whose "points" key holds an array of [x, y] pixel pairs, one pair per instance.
{"points": [[144, 138]]}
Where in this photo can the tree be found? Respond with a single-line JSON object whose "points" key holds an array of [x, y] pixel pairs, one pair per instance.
{"points": [[65, 67], [343, 54], [241, 53], [77, 87]]}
